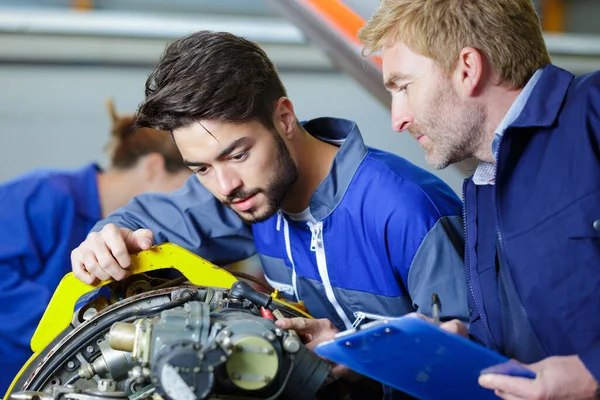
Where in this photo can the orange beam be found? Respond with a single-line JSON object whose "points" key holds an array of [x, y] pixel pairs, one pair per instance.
{"points": [[553, 15], [339, 15], [342, 17]]}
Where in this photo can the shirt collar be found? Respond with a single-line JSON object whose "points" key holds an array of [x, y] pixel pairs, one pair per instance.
{"points": [[517, 107], [485, 174]]}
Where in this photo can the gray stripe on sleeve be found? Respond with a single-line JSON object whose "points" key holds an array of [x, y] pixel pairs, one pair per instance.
{"points": [[438, 266], [190, 217], [276, 269]]}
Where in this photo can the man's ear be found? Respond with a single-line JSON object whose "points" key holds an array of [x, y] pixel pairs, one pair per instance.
{"points": [[152, 167], [284, 117], [469, 72]]}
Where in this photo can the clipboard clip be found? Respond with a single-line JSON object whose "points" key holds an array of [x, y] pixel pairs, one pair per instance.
{"points": [[360, 316]]}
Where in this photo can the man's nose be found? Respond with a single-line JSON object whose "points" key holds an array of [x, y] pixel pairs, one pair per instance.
{"points": [[402, 119], [228, 181]]}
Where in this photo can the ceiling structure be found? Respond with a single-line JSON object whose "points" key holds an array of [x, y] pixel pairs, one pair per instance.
{"points": [[299, 35]]}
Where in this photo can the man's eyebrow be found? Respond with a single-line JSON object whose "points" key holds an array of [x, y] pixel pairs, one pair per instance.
{"points": [[193, 163], [223, 154], [232, 146]]}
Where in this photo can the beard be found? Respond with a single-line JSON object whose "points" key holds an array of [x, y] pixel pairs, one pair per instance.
{"points": [[453, 130], [284, 175]]}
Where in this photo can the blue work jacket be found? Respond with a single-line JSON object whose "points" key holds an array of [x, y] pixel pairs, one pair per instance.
{"points": [[43, 216], [533, 239]]}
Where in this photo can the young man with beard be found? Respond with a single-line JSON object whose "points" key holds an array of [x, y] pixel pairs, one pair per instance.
{"points": [[337, 224], [474, 79]]}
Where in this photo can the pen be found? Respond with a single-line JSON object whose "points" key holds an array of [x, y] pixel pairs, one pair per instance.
{"points": [[436, 305]]}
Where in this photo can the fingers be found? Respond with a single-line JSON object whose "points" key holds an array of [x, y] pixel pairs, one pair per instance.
{"points": [[510, 387], [420, 316], [296, 324], [79, 269], [342, 372], [104, 255], [113, 249], [137, 240], [455, 326], [506, 396]]}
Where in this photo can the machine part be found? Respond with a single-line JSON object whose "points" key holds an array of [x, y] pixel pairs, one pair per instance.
{"points": [[139, 286], [32, 396], [217, 347], [106, 389], [97, 394], [167, 255], [143, 393], [180, 372], [188, 323], [242, 290], [308, 374], [203, 335], [141, 343], [292, 342], [89, 313], [107, 385], [122, 336], [253, 363], [118, 363], [76, 339], [113, 362]]}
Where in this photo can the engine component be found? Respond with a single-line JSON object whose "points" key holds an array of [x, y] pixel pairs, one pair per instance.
{"points": [[181, 343], [170, 343]]}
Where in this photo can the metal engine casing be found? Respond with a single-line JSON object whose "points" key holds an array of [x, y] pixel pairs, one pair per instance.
{"points": [[202, 335], [180, 343]]}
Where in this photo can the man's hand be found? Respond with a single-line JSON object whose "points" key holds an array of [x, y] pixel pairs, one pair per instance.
{"points": [[455, 326], [311, 331], [105, 254], [315, 331], [557, 378]]}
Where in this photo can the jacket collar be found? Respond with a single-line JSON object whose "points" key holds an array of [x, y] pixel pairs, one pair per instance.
{"points": [[352, 151], [544, 104]]}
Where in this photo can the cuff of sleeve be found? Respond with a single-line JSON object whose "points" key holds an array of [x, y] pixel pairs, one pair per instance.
{"points": [[591, 360]]}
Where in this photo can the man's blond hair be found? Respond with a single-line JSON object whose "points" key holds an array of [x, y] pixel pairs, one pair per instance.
{"points": [[507, 32]]}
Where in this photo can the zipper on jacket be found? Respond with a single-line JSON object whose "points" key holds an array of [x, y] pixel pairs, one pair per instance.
{"points": [[501, 251], [317, 245], [288, 250], [468, 264]]}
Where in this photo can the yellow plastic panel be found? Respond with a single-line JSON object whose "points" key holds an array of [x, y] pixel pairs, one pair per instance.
{"points": [[59, 313]]}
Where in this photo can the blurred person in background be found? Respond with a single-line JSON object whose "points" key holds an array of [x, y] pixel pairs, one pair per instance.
{"points": [[46, 213], [474, 79]]}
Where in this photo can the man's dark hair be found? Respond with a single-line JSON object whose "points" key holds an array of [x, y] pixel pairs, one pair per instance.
{"points": [[214, 76]]}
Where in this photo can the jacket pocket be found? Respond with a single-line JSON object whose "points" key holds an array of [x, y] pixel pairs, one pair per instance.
{"points": [[584, 218], [586, 228]]}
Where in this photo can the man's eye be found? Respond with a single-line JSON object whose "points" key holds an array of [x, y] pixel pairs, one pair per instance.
{"points": [[201, 171], [239, 156], [403, 88]]}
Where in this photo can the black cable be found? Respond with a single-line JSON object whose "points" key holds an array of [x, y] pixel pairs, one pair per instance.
{"points": [[78, 343], [73, 379], [285, 381]]}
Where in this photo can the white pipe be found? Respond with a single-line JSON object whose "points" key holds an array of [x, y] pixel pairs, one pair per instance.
{"points": [[107, 23]]}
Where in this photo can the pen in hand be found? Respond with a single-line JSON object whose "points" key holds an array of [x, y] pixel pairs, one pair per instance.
{"points": [[436, 306]]}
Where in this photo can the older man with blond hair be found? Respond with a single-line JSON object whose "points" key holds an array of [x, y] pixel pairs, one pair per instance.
{"points": [[474, 79]]}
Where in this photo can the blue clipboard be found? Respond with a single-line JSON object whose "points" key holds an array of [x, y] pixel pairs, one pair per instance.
{"points": [[418, 358]]}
